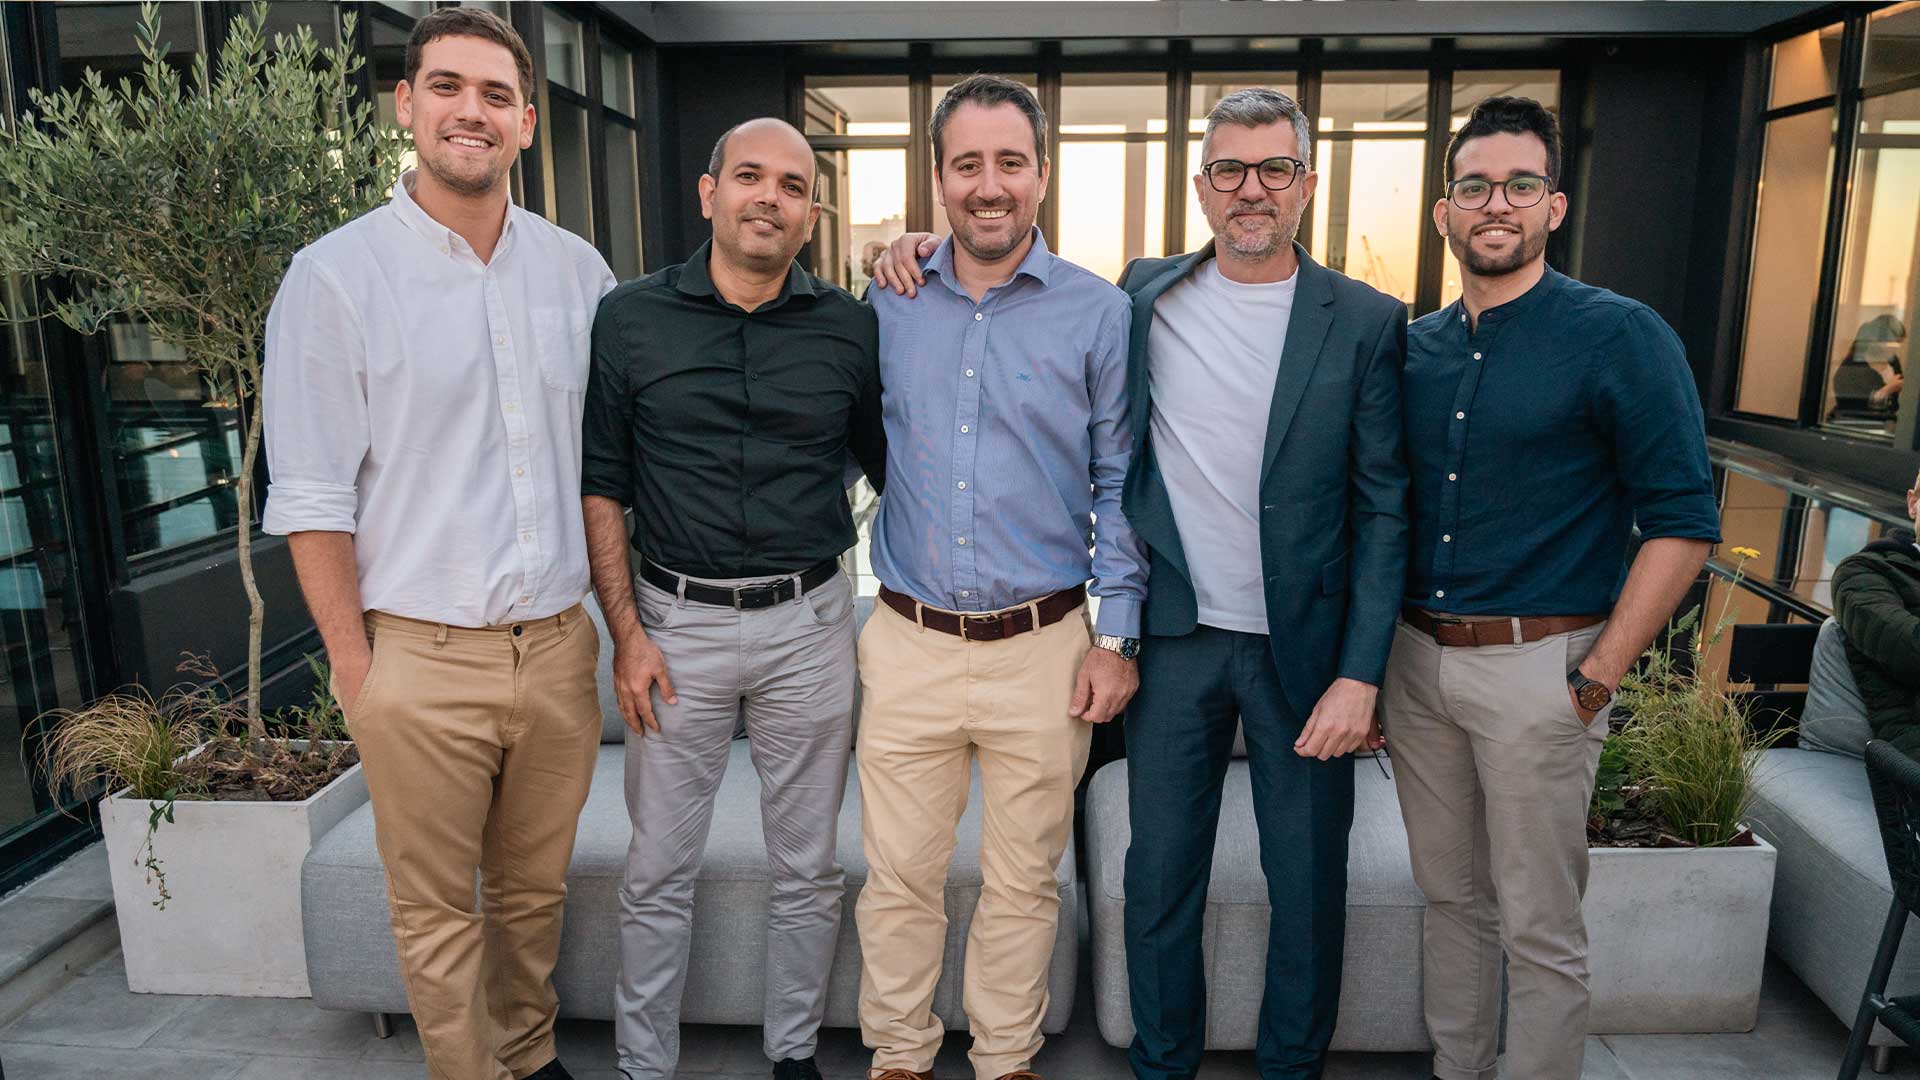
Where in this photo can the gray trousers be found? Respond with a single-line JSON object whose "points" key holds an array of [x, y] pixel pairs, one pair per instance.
{"points": [[789, 669]]}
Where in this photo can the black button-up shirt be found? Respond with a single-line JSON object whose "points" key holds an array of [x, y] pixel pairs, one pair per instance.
{"points": [[727, 431], [1538, 440]]}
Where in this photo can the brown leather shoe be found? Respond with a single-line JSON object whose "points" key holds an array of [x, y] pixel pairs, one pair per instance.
{"points": [[897, 1074]]}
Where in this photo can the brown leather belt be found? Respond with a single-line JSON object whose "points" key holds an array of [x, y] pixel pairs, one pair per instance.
{"points": [[1471, 631], [997, 627]]}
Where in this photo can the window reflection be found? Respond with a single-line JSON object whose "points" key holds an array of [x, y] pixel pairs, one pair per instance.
{"points": [[1805, 67], [1788, 237], [569, 192], [566, 57], [1112, 170], [176, 447], [623, 199], [1872, 345], [1893, 44]]}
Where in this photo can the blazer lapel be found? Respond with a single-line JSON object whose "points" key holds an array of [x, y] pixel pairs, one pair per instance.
{"points": [[1139, 400], [1307, 330]]}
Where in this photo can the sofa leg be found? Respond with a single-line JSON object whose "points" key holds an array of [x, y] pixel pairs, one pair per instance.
{"points": [[1883, 1059], [383, 1027]]}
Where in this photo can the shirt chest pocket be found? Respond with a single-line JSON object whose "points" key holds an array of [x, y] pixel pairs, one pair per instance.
{"points": [[562, 346]]}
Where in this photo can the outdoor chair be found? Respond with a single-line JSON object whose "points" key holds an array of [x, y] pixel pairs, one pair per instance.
{"points": [[1895, 780]]}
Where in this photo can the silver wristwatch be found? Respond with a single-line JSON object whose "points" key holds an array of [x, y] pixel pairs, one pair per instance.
{"points": [[1127, 647]]}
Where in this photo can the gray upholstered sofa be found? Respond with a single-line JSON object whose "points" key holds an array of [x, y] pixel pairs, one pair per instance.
{"points": [[1380, 986], [352, 964], [1830, 890]]}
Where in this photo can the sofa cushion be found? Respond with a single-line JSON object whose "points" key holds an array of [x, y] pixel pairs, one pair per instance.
{"points": [[352, 963], [1380, 1006], [1831, 890], [1835, 717]]}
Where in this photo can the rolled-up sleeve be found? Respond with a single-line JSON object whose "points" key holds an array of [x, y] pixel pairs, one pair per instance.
{"points": [[313, 399], [1659, 430], [1119, 559], [607, 457]]}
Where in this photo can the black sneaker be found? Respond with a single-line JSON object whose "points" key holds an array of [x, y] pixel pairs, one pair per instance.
{"points": [[552, 1070], [795, 1069]]}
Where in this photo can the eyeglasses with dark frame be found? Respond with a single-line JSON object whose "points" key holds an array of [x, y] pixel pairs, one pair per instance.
{"points": [[1522, 191], [1275, 173]]}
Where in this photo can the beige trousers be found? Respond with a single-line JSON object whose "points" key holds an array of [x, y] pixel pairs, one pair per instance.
{"points": [[932, 704], [1495, 771], [478, 746]]}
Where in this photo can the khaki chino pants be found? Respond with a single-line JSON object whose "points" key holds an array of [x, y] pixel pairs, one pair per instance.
{"points": [[478, 746], [932, 704], [1495, 771]]}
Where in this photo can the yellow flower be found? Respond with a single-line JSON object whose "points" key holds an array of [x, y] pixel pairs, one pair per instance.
{"points": [[1746, 553]]}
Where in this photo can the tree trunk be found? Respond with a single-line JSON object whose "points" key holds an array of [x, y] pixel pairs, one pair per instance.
{"points": [[256, 608]]}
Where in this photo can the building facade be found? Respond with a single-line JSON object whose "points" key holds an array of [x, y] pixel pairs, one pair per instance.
{"points": [[1751, 171]]}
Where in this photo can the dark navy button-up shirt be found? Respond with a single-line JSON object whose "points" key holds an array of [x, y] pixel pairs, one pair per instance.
{"points": [[1538, 440]]}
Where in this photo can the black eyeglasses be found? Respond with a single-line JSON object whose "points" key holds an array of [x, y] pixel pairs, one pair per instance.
{"points": [[1473, 192], [1276, 173]]}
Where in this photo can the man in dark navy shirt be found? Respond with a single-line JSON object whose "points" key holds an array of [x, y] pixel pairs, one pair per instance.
{"points": [[1546, 419]]}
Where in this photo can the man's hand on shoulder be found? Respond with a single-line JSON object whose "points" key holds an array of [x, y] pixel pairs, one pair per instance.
{"points": [[898, 267], [1342, 721]]}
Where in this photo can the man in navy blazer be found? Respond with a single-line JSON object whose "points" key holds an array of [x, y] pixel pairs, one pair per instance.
{"points": [[1268, 484]]}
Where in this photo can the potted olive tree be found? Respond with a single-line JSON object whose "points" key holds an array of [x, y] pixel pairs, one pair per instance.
{"points": [[177, 201], [1679, 889]]}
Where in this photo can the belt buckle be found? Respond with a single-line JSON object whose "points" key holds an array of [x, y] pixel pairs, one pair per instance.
{"points": [[985, 621], [771, 591]]}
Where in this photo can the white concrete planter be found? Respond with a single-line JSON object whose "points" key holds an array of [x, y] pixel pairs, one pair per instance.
{"points": [[233, 925], [1677, 938]]}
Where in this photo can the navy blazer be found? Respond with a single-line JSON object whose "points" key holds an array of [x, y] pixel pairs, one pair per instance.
{"points": [[1333, 480]]}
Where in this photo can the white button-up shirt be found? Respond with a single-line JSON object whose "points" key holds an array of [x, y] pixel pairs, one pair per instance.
{"points": [[430, 404]]}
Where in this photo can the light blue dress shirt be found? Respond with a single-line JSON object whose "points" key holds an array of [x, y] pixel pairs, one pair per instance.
{"points": [[1007, 441]]}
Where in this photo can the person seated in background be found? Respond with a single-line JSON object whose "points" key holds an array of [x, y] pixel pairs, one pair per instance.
{"points": [[1868, 379], [1876, 597]]}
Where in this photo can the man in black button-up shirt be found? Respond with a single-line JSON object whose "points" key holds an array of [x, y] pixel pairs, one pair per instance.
{"points": [[1546, 419], [725, 396]]}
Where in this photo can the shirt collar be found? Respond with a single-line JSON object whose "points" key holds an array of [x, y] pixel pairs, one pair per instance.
{"points": [[447, 240], [1037, 265], [1549, 283], [695, 280]]}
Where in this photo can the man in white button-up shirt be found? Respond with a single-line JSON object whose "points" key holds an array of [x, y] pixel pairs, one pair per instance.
{"points": [[426, 370]]}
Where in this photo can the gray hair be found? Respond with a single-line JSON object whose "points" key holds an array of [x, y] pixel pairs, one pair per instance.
{"points": [[1258, 106]]}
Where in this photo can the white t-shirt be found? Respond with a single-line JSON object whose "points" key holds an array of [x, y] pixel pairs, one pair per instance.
{"points": [[1212, 357]]}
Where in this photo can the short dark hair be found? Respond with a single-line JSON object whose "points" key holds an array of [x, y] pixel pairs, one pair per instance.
{"points": [[470, 22], [988, 91], [1511, 116]]}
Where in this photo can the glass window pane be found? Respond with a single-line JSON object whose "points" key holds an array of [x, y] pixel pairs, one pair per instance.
{"points": [[616, 76], [566, 52], [41, 617], [1113, 202], [623, 200], [1373, 101], [569, 194], [1872, 343], [176, 450], [1470, 88], [103, 37], [863, 198], [1805, 67], [1789, 237], [857, 106], [1368, 213], [1893, 44]]}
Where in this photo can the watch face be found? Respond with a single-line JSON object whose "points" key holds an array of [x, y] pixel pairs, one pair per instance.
{"points": [[1594, 696]]}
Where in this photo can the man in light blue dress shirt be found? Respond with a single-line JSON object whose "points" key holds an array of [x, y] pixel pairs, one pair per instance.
{"points": [[1005, 404]]}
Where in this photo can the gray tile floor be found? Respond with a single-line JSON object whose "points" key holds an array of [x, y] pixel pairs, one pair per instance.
{"points": [[94, 1028]]}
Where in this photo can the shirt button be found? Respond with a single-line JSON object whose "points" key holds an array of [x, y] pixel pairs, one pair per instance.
{"points": [[1459, 416], [526, 599], [499, 339], [1453, 476], [1476, 356], [526, 538], [962, 541], [519, 472], [969, 373], [977, 316], [1439, 592], [1446, 538], [509, 407], [965, 593], [964, 429], [963, 485]]}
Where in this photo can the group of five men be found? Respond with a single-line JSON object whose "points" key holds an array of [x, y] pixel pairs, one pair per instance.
{"points": [[1298, 516]]}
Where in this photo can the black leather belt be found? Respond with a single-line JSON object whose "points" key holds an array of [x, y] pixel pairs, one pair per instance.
{"points": [[746, 597]]}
